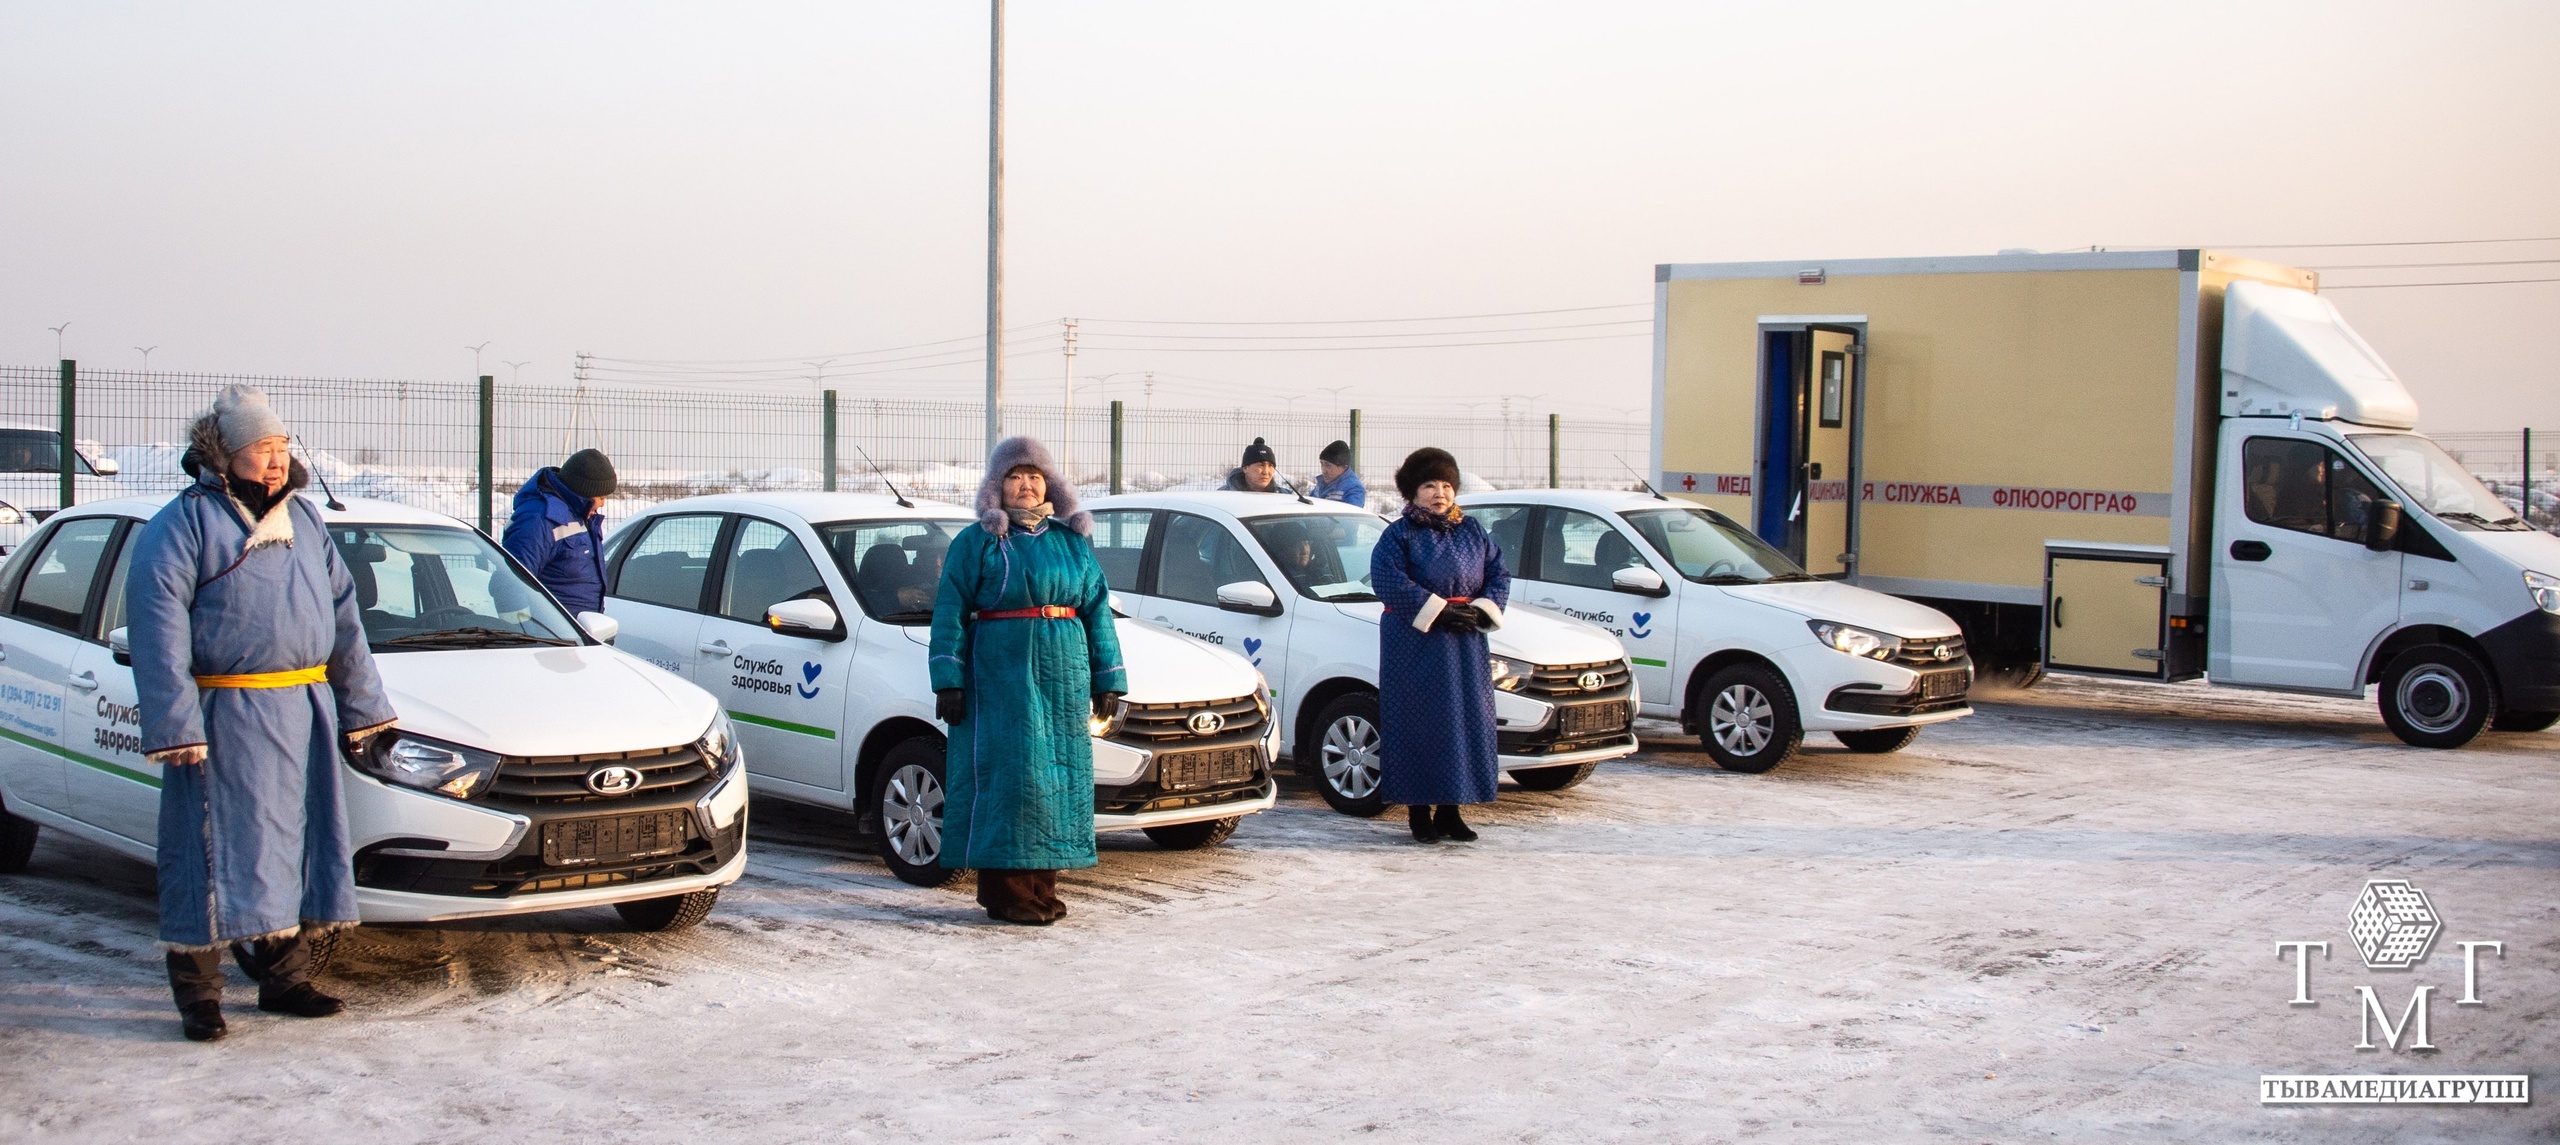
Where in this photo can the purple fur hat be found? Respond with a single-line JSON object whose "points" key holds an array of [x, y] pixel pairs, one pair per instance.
{"points": [[1012, 453]]}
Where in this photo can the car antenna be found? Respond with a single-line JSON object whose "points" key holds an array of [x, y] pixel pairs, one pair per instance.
{"points": [[1631, 472], [335, 505], [903, 503]]}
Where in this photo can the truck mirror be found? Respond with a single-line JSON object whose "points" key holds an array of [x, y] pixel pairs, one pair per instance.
{"points": [[2383, 529]]}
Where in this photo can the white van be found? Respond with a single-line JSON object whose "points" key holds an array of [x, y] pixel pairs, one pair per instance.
{"points": [[1726, 634], [31, 478], [534, 768], [1205, 564], [821, 661]]}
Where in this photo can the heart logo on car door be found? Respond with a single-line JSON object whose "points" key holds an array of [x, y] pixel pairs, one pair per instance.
{"points": [[1253, 648], [1637, 629], [809, 670]]}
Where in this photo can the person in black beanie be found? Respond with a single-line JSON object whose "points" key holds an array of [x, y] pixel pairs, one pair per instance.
{"points": [[1260, 472], [1339, 482], [557, 530]]}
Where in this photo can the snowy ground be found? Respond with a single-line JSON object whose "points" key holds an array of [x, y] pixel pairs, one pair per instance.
{"points": [[2056, 919]]}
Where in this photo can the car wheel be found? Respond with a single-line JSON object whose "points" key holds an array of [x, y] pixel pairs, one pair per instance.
{"points": [[671, 913], [1750, 719], [2524, 721], [17, 842], [2436, 695], [1347, 744], [1878, 741], [909, 800], [1555, 778], [1194, 836]]}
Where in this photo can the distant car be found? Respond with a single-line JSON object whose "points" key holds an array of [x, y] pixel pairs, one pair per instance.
{"points": [[808, 615], [31, 478], [1206, 565], [1726, 634], [534, 768]]}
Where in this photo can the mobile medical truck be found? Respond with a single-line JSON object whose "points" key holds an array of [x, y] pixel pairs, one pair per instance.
{"points": [[2161, 464]]}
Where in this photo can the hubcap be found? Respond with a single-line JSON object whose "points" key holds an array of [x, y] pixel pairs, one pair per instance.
{"points": [[911, 814], [1351, 757], [2434, 699], [1741, 720]]}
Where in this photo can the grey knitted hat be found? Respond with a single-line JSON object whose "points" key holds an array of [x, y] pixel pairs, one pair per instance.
{"points": [[245, 417]]}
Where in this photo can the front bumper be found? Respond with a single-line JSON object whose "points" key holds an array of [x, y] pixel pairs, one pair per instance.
{"points": [[1131, 793], [1530, 730], [1192, 809], [2525, 653], [1835, 692]]}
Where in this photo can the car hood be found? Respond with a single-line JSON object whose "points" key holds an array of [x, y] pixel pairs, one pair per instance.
{"points": [[544, 701], [2536, 550], [1168, 667], [1531, 633], [1849, 604]]}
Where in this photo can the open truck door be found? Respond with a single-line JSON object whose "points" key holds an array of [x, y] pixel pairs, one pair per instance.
{"points": [[1808, 455]]}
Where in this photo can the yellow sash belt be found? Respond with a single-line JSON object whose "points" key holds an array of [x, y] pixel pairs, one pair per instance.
{"points": [[289, 678]]}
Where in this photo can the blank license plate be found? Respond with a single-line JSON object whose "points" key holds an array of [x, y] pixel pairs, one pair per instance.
{"points": [[1190, 770], [1939, 685], [577, 841], [1593, 719]]}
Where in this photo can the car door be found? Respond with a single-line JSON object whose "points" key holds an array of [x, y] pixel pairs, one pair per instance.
{"points": [[1197, 556], [117, 789], [785, 691], [2298, 598], [655, 589], [56, 585], [1572, 555]]}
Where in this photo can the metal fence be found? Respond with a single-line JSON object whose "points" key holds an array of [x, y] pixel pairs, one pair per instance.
{"points": [[2517, 466], [420, 443]]}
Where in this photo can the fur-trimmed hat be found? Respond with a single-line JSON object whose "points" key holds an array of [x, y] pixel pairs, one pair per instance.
{"points": [[1013, 453], [1427, 464]]}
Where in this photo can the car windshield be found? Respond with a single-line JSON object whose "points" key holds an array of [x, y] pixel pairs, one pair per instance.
{"points": [[2438, 483], [1324, 555], [1709, 548], [429, 586], [894, 566], [34, 451]]}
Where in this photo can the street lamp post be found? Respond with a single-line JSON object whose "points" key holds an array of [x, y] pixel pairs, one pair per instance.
{"points": [[475, 357], [146, 357], [995, 224]]}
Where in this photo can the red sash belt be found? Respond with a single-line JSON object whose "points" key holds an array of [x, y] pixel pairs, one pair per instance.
{"points": [[1044, 612]]}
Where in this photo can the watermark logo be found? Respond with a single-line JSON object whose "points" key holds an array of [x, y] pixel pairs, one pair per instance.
{"points": [[2393, 926]]}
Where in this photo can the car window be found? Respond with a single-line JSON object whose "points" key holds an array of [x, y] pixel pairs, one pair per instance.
{"points": [[668, 563], [437, 586], [36, 451], [1509, 526], [1581, 549], [1198, 556], [1709, 547], [111, 606], [56, 591], [1324, 555], [895, 567], [2305, 487], [1120, 543], [766, 566]]}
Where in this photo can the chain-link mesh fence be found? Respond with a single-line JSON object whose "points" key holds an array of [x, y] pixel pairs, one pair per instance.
{"points": [[2512, 468]]}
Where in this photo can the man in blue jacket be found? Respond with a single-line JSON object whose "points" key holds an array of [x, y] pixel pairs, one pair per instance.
{"points": [[1339, 482], [558, 532]]}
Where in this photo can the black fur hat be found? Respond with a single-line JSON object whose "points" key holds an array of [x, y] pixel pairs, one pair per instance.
{"points": [[1429, 463]]}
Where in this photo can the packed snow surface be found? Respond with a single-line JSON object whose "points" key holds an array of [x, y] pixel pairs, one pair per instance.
{"points": [[2056, 919]]}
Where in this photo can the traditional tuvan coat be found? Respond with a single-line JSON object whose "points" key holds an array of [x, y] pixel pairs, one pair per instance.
{"points": [[253, 840], [1018, 776], [1435, 683]]}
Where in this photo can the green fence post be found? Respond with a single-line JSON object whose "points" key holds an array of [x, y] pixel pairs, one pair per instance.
{"points": [[1355, 441], [827, 426], [1118, 438], [488, 450], [1555, 451], [70, 415]]}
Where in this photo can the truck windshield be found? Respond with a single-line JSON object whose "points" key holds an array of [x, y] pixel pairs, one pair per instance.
{"points": [[2436, 482], [894, 566], [1324, 555], [1709, 548], [424, 587]]}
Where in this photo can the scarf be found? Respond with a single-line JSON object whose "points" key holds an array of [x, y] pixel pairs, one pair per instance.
{"points": [[1439, 522], [1030, 520], [254, 497]]}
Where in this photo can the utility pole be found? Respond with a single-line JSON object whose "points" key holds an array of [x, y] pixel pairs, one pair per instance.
{"points": [[995, 225], [1067, 406]]}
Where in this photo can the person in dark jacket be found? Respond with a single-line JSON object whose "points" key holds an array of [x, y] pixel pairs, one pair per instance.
{"points": [[557, 530], [1338, 482], [1260, 472], [1444, 585]]}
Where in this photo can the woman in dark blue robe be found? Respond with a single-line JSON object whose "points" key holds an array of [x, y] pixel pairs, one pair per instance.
{"points": [[1442, 580]]}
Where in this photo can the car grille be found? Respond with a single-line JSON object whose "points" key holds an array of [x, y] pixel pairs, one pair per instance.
{"points": [[563, 778], [1150, 725], [1564, 681], [1924, 653]]}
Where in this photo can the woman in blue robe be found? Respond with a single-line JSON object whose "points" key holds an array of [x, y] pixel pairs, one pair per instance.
{"points": [[250, 661], [1023, 655], [1442, 580]]}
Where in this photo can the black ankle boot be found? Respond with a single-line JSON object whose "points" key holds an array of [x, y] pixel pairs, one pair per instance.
{"points": [[1424, 831], [202, 1021], [302, 1000], [1450, 825]]}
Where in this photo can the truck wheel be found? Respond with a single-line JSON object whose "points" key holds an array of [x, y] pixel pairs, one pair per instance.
{"points": [[1878, 741], [1750, 719], [671, 913], [2511, 722], [1554, 778], [2436, 695], [17, 842], [909, 800], [1347, 746], [1194, 836]]}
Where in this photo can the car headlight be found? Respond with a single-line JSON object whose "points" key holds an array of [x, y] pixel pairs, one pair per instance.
{"points": [[9, 514], [2545, 589], [1103, 726], [1854, 640], [719, 745], [428, 764], [1509, 674]]}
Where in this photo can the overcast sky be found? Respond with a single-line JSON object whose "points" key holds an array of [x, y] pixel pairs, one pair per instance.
{"points": [[360, 190]]}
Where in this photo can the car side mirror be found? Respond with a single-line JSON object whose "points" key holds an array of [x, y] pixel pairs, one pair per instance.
{"points": [[106, 466], [1637, 578], [603, 628], [815, 619], [1249, 596], [2382, 532], [120, 644]]}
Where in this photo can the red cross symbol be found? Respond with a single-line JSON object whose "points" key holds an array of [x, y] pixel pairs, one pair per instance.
{"points": [[1689, 481]]}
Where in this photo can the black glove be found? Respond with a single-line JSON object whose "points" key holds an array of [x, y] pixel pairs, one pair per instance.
{"points": [[950, 705], [1483, 619], [1104, 702], [1455, 618]]}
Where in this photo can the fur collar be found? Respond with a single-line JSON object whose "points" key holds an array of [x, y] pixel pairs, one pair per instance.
{"points": [[206, 461]]}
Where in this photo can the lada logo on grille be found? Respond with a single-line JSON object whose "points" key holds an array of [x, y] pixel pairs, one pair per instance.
{"points": [[1943, 652], [1588, 681], [1207, 723], [614, 780]]}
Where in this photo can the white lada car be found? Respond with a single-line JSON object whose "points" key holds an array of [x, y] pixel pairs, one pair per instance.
{"points": [[534, 767], [809, 614], [1725, 632], [1285, 582]]}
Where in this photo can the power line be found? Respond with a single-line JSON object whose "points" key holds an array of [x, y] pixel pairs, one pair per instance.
{"points": [[1366, 321], [2339, 246], [2427, 265], [1397, 346], [2476, 282], [1344, 337]]}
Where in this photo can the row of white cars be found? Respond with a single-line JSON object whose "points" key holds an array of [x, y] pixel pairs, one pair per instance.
{"points": [[546, 761]]}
